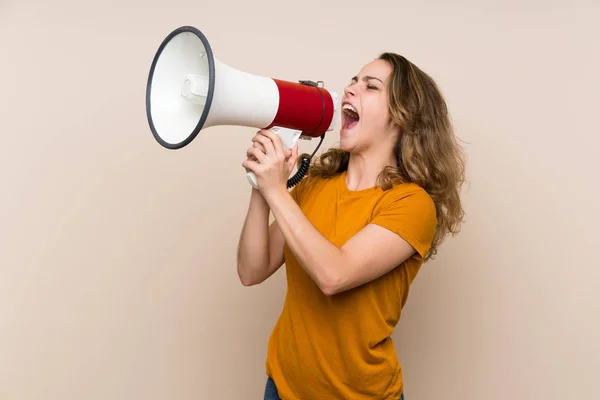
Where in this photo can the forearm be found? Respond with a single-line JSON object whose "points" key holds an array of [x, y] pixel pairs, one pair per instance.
{"points": [[321, 259], [253, 248]]}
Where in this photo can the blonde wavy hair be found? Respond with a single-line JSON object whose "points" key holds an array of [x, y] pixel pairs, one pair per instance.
{"points": [[427, 151]]}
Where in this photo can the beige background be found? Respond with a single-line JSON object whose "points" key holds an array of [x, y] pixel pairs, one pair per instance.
{"points": [[117, 256]]}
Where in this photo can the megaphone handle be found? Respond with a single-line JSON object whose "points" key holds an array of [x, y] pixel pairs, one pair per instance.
{"points": [[252, 179], [288, 136]]}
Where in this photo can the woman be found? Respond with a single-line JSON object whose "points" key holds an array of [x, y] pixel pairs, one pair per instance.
{"points": [[353, 234]]}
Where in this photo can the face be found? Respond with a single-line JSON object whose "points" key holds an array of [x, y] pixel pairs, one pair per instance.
{"points": [[365, 117]]}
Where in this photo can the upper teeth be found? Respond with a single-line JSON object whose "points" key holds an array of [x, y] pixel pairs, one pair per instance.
{"points": [[349, 107]]}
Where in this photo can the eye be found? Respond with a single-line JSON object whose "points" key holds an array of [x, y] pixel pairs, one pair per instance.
{"points": [[372, 87]]}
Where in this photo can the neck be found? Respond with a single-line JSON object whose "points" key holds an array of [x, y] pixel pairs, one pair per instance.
{"points": [[364, 169]]}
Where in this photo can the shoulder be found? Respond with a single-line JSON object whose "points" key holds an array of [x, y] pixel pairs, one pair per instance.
{"points": [[408, 196], [409, 211]]}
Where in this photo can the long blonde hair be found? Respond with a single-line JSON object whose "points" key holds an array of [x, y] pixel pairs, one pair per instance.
{"points": [[427, 152]]}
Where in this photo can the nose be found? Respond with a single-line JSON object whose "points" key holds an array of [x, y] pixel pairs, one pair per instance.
{"points": [[349, 90]]}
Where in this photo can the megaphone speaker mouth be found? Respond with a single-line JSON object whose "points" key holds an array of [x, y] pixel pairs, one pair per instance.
{"points": [[180, 87]]}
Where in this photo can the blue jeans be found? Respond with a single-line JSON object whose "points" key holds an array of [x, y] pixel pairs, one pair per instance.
{"points": [[271, 392]]}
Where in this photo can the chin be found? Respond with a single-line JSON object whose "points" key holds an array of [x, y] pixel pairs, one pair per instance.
{"points": [[348, 139]]}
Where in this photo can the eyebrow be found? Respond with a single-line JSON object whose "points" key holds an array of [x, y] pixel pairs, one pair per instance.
{"points": [[366, 78]]}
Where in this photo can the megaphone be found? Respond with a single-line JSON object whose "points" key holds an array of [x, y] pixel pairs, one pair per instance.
{"points": [[189, 90]]}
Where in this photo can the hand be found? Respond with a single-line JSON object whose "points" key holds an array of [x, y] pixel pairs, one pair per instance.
{"points": [[270, 161]]}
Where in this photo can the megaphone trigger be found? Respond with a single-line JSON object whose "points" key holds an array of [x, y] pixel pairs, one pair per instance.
{"points": [[289, 137]]}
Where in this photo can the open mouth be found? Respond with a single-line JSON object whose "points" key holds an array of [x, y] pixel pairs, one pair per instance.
{"points": [[350, 116]]}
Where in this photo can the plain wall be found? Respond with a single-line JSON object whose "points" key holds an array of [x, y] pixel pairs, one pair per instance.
{"points": [[117, 256]]}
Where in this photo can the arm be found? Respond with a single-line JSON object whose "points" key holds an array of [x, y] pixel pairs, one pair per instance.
{"points": [[260, 248], [369, 254]]}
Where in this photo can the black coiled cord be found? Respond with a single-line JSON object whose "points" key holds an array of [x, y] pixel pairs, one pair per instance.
{"points": [[305, 162], [303, 169]]}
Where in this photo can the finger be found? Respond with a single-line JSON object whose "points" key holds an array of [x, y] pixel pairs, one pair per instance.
{"points": [[293, 157], [260, 146], [269, 147], [251, 165], [257, 153], [256, 138], [276, 141]]}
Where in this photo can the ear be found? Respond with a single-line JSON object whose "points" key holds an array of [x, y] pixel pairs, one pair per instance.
{"points": [[395, 129]]}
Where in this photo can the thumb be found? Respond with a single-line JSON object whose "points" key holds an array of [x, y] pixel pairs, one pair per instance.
{"points": [[293, 157]]}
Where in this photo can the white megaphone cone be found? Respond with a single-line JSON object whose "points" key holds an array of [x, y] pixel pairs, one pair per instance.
{"points": [[189, 90]]}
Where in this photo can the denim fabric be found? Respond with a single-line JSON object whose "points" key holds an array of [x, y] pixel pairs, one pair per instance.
{"points": [[271, 392]]}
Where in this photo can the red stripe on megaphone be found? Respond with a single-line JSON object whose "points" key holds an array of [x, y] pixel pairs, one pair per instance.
{"points": [[303, 107]]}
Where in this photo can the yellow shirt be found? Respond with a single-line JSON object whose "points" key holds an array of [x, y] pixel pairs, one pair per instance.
{"points": [[339, 347]]}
